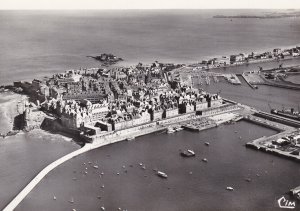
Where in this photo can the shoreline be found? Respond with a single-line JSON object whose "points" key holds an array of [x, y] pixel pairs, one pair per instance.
{"points": [[99, 142], [9, 110], [188, 63]]}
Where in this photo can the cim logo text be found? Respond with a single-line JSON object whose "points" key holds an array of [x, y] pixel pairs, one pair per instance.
{"points": [[284, 203]]}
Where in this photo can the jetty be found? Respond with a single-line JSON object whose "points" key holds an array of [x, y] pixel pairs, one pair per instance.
{"points": [[87, 147]]}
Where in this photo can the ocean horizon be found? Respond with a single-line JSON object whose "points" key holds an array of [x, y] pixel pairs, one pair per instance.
{"points": [[35, 44]]}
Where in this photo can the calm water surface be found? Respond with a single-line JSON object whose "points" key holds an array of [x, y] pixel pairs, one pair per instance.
{"points": [[23, 156], [229, 164], [36, 43]]}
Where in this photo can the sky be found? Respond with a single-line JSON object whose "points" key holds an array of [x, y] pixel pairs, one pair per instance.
{"points": [[149, 4]]}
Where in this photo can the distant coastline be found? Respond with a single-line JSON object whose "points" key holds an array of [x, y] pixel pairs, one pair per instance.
{"points": [[267, 16]]}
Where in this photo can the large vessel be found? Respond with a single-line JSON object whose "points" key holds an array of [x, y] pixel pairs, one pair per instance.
{"points": [[291, 114], [187, 153]]}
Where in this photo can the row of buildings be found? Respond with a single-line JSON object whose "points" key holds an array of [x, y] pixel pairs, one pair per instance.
{"points": [[240, 58], [99, 100]]}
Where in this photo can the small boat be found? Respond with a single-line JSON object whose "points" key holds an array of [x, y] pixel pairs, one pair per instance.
{"points": [[204, 160], [72, 200], [171, 130], [230, 188], [96, 167], [54, 197], [73, 209], [162, 174], [248, 179], [206, 143], [178, 129], [130, 138], [187, 153], [102, 208]]}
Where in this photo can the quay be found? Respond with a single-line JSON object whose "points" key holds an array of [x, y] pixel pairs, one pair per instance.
{"points": [[267, 123], [265, 144], [232, 78], [280, 119], [252, 79]]}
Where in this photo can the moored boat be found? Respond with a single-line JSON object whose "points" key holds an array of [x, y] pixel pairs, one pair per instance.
{"points": [[187, 153], [171, 130], [230, 188], [162, 174]]}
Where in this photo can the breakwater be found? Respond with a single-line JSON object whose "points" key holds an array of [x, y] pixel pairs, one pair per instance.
{"points": [[87, 147]]}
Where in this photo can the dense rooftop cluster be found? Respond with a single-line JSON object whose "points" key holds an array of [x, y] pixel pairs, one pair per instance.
{"points": [[116, 98]]}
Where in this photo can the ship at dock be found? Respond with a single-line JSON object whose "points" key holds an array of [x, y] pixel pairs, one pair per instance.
{"points": [[291, 114]]}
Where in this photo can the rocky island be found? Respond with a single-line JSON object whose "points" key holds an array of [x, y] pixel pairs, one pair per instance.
{"points": [[107, 58]]}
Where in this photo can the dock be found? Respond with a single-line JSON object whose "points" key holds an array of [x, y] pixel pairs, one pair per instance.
{"points": [[232, 78], [253, 79], [265, 144]]}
